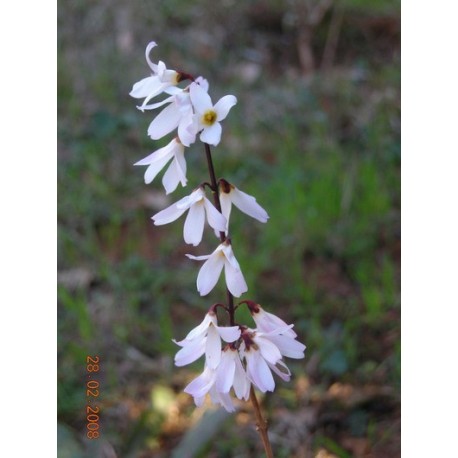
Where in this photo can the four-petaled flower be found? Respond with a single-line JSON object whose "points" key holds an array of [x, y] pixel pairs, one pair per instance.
{"points": [[198, 206], [262, 356], [176, 173], [209, 273], [157, 83], [208, 116], [205, 338], [218, 382], [229, 194]]}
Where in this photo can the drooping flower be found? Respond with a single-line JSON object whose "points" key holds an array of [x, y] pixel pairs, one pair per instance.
{"points": [[229, 194], [209, 273], [273, 328], [231, 373], [261, 357], [287, 346], [267, 322], [158, 82], [208, 116], [205, 338], [205, 384], [218, 382], [176, 173], [198, 206]]}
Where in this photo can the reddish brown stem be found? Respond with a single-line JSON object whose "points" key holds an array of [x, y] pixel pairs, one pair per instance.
{"points": [[261, 424]]}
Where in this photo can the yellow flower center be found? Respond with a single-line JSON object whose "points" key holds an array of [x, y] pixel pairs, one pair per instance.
{"points": [[209, 118]]}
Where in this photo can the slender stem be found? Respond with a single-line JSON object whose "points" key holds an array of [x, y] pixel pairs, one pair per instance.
{"points": [[260, 422]]}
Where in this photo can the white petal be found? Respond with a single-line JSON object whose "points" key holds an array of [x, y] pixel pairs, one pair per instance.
{"points": [[215, 219], [201, 329], [198, 258], [227, 250], [213, 348], [241, 381], [281, 369], [234, 280], [223, 399], [156, 105], [173, 90], [196, 196], [229, 333], [193, 128], [209, 273], [159, 90], [288, 347], [154, 168], [259, 371], [226, 205], [194, 224], [201, 385], [247, 204], [199, 98], [151, 45], [168, 215], [267, 322], [169, 76], [172, 177], [190, 352], [203, 83], [181, 165], [212, 134], [164, 122], [165, 152], [269, 350], [186, 132], [223, 106], [225, 373], [145, 87]]}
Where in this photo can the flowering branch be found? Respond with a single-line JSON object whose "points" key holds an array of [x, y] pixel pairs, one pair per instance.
{"points": [[249, 356], [222, 235]]}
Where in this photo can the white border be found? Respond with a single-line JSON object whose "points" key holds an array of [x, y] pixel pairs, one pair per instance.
{"points": [[429, 228], [28, 227]]}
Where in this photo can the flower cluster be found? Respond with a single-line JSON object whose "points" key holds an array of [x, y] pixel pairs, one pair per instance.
{"points": [[249, 356]]}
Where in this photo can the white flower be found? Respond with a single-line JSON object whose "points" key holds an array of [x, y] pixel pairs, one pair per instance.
{"points": [[218, 382], [229, 195], [287, 346], [273, 328], [207, 115], [205, 384], [160, 80], [198, 206], [209, 273], [231, 373], [176, 173], [205, 338], [179, 113], [267, 322], [262, 356]]}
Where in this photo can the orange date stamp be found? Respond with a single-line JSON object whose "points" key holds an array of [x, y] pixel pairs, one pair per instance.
{"points": [[92, 393]]}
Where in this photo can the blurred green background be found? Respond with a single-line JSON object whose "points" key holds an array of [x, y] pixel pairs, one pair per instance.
{"points": [[315, 136]]}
